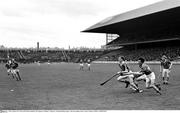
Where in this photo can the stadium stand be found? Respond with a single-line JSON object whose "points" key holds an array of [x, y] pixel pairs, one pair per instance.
{"points": [[150, 54], [76, 56], [132, 54], [148, 32]]}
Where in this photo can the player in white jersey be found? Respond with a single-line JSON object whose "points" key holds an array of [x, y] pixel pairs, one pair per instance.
{"points": [[124, 75]]}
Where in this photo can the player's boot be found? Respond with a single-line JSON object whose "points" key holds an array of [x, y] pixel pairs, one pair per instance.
{"points": [[167, 83], [159, 92], [138, 91], [132, 88]]}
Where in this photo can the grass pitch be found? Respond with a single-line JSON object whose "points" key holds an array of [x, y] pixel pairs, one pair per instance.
{"points": [[64, 87]]}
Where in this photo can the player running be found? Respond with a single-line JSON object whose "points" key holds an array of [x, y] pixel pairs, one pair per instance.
{"points": [[15, 70], [165, 68], [124, 75], [146, 74]]}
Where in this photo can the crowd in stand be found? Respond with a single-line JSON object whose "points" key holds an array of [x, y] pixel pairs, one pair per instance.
{"points": [[30, 56], [151, 54]]}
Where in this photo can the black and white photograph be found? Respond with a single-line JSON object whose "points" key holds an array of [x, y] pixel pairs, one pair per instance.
{"points": [[89, 55]]}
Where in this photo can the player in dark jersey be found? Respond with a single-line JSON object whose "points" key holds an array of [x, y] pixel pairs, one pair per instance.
{"points": [[148, 75], [15, 70], [124, 75], [165, 68]]}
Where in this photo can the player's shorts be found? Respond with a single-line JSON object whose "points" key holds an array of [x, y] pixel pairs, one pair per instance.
{"points": [[165, 71], [88, 65], [151, 76], [150, 79], [14, 71], [131, 78], [9, 71], [81, 65]]}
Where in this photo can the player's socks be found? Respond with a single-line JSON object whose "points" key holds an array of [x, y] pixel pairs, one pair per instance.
{"points": [[138, 91], [127, 83], [156, 89], [132, 88], [167, 80], [164, 81], [136, 84], [18, 76], [158, 86], [159, 92]]}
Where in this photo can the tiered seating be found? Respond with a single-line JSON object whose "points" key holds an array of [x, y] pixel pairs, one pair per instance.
{"points": [[151, 54], [75, 56]]}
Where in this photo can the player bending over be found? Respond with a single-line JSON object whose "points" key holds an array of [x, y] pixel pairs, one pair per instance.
{"points": [[165, 68], [124, 75], [15, 70], [146, 74]]}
